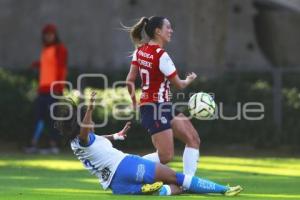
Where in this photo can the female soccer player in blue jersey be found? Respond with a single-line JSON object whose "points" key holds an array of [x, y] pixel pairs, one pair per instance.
{"points": [[157, 71], [124, 173]]}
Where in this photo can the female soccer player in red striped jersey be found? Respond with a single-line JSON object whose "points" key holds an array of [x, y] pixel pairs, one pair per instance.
{"points": [[157, 71]]}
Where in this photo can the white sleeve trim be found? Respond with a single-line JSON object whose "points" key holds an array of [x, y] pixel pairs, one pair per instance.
{"points": [[134, 56], [158, 50], [166, 64]]}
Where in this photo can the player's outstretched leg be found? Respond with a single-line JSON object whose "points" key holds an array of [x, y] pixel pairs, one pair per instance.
{"points": [[191, 183], [184, 130]]}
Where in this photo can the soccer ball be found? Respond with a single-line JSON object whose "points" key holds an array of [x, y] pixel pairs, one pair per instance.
{"points": [[202, 106]]}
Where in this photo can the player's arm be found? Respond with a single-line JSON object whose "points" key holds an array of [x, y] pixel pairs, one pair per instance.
{"points": [[87, 122], [35, 65], [130, 82], [121, 135], [181, 84], [167, 67]]}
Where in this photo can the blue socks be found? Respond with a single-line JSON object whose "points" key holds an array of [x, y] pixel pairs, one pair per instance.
{"points": [[180, 178], [38, 130], [199, 185]]}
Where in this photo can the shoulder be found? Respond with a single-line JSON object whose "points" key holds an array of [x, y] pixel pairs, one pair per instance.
{"points": [[167, 66], [140, 47], [61, 48], [91, 140], [165, 57], [134, 52], [159, 52]]}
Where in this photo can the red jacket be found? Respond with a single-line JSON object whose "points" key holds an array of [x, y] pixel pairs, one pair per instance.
{"points": [[53, 67]]}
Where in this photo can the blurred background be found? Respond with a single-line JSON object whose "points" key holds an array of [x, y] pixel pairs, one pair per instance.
{"points": [[243, 51]]}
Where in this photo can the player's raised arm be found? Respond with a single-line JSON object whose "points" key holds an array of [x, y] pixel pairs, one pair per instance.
{"points": [[167, 67], [181, 84], [121, 135], [130, 82], [87, 122]]}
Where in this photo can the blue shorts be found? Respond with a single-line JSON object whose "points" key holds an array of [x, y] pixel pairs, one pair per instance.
{"points": [[131, 174], [157, 117]]}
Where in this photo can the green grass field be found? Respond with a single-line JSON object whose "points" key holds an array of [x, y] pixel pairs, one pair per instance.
{"points": [[63, 177]]}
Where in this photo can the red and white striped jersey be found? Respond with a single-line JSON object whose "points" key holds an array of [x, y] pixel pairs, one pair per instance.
{"points": [[155, 68]]}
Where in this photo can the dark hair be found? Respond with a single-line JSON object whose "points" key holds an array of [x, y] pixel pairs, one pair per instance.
{"points": [[148, 25], [69, 128], [50, 28], [153, 23], [56, 40]]}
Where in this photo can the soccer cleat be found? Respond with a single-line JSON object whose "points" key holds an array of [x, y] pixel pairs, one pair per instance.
{"points": [[233, 191], [150, 188]]}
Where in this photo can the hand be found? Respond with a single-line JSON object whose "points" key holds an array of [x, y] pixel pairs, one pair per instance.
{"points": [[35, 64], [122, 134], [190, 77], [92, 101]]}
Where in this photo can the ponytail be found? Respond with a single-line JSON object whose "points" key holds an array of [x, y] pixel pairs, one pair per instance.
{"points": [[136, 31], [148, 25]]}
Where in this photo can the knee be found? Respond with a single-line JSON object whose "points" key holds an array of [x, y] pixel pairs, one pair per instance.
{"points": [[166, 157]]}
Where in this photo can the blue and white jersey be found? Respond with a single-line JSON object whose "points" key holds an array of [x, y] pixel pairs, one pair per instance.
{"points": [[99, 157]]}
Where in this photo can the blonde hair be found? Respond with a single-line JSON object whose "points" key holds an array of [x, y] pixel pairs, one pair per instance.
{"points": [[136, 31]]}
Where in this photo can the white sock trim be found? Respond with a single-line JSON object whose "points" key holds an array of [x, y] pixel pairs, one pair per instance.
{"points": [[190, 160], [187, 181], [168, 188]]}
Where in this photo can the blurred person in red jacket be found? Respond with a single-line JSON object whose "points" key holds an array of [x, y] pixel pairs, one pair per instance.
{"points": [[52, 68]]}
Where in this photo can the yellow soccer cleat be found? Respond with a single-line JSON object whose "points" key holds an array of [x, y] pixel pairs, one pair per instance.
{"points": [[150, 188], [233, 191]]}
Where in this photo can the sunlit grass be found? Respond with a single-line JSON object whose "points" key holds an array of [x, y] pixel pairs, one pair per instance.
{"points": [[45, 164], [271, 166], [272, 196], [63, 177]]}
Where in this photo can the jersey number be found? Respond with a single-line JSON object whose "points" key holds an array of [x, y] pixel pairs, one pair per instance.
{"points": [[105, 173], [145, 78], [88, 163]]}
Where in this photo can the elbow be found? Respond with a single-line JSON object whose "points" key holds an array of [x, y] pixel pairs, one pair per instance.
{"points": [[180, 86], [130, 82]]}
